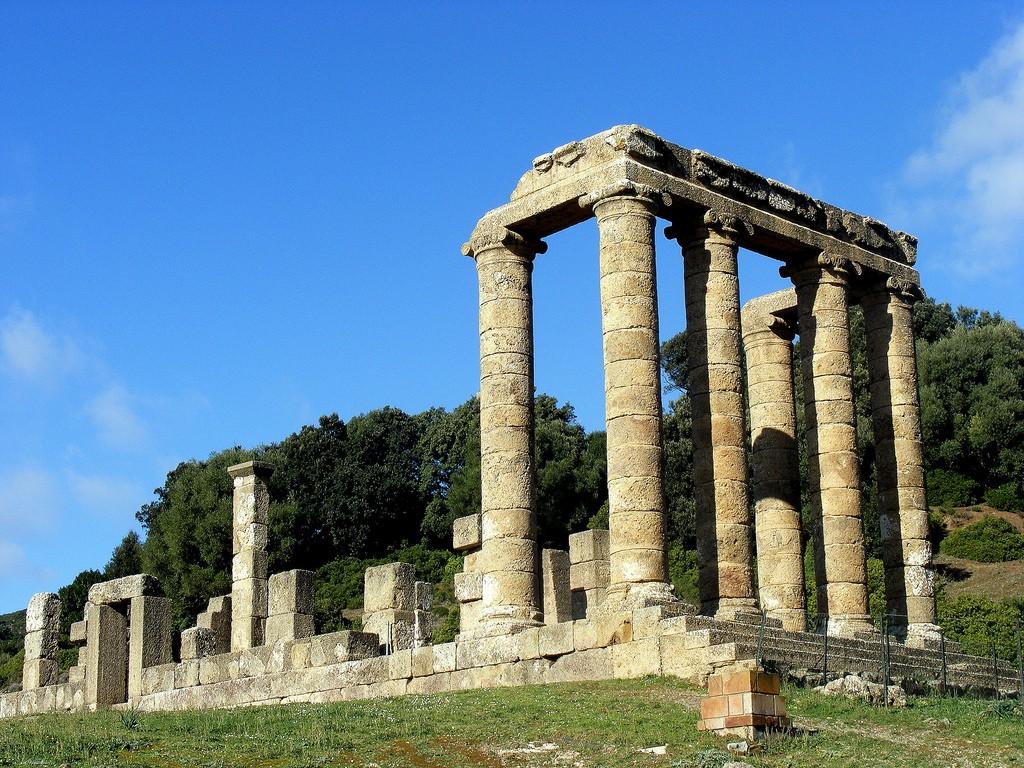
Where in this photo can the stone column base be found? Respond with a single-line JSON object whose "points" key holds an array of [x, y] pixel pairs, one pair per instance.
{"points": [[742, 609], [636, 595], [924, 636], [852, 626]]}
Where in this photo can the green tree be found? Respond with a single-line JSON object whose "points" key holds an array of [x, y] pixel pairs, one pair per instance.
{"points": [[126, 559]]}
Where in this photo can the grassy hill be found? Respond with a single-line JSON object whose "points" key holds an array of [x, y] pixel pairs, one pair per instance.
{"points": [[994, 581], [596, 725]]}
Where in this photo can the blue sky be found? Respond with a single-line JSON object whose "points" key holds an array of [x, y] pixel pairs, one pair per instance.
{"points": [[218, 221]]}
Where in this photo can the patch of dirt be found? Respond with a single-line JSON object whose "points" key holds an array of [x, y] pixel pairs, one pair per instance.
{"points": [[966, 515], [996, 581]]}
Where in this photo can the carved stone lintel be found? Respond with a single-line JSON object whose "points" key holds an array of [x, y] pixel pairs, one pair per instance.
{"points": [[626, 188], [503, 236]]}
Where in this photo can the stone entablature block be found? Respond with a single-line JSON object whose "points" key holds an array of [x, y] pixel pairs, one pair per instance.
{"points": [[124, 589]]}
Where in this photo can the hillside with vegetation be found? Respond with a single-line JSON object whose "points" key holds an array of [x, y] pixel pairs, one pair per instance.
{"points": [[386, 485]]}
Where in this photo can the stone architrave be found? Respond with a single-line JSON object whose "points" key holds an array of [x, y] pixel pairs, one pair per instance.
{"points": [[557, 594], [724, 522], [118, 591], [769, 325], [149, 638], [899, 460], [249, 588], [833, 463], [509, 558], [106, 668], [42, 630], [625, 215]]}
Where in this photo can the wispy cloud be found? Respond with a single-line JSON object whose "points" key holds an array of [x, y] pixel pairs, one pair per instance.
{"points": [[114, 414], [969, 180], [31, 353], [29, 499], [110, 495]]}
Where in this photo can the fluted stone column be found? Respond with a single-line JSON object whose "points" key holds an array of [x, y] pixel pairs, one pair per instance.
{"points": [[509, 558], [725, 548], [249, 588], [833, 464], [775, 463], [899, 461], [632, 383]]}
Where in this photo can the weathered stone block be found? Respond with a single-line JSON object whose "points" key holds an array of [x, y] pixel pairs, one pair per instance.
{"points": [[149, 641], [400, 665], [484, 651], [468, 586], [41, 644], [39, 672], [592, 574], [155, 679], [466, 533], [198, 643], [77, 632], [43, 612], [106, 671], [217, 617], [397, 626], [249, 563], [288, 626], [123, 589], [422, 661], [342, 646], [556, 588], [390, 587], [186, 674], [556, 639], [444, 657], [291, 592]]}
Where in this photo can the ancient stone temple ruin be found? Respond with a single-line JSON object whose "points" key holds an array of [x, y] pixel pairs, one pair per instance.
{"points": [[605, 607]]}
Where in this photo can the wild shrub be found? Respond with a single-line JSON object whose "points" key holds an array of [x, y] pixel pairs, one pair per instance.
{"points": [[990, 540]]}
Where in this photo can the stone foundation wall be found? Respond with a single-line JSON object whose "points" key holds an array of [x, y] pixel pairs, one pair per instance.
{"points": [[343, 666]]}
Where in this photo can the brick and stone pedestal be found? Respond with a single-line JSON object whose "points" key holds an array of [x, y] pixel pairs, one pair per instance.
{"points": [[249, 588], [744, 703], [42, 628]]}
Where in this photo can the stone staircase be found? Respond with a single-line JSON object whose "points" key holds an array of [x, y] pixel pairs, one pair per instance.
{"points": [[723, 641]]}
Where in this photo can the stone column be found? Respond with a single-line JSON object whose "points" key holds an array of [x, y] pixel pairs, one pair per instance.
{"points": [[725, 546], [899, 462], [42, 631], [509, 560], [833, 464], [249, 589], [632, 384], [775, 463]]}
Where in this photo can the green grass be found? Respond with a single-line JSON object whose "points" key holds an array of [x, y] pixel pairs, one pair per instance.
{"points": [[597, 725]]}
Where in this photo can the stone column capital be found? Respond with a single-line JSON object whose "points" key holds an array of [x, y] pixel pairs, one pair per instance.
{"points": [[260, 469], [720, 225], [839, 268], [627, 189], [900, 289], [490, 238]]}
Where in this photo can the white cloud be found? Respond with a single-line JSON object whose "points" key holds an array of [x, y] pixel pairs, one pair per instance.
{"points": [[113, 412], [29, 499], [972, 172], [31, 353], [105, 494]]}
